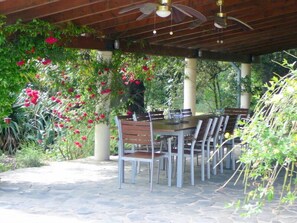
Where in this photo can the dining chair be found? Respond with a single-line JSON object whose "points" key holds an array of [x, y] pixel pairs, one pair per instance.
{"points": [[137, 133], [173, 112], [221, 137], [156, 115], [141, 116], [213, 143], [229, 142], [186, 112], [197, 147]]}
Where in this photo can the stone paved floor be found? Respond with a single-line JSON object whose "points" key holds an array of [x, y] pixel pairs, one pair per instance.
{"points": [[87, 191]]}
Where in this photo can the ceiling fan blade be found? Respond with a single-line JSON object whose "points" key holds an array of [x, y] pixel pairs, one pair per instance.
{"points": [[148, 8], [244, 25], [130, 8], [196, 23], [190, 11], [177, 15], [142, 16]]}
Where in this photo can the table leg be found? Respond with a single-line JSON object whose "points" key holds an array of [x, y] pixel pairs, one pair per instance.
{"points": [[180, 159]]}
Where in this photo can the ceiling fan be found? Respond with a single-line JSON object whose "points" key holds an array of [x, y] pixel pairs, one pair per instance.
{"points": [[164, 9], [220, 19]]}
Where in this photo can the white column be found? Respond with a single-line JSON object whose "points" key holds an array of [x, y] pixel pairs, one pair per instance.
{"points": [[102, 131], [245, 98], [190, 84]]}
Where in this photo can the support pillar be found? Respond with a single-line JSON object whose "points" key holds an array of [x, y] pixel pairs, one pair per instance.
{"points": [[102, 131], [245, 98], [190, 84]]}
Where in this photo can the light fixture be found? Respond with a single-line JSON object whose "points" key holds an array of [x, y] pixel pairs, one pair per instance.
{"points": [[163, 11]]}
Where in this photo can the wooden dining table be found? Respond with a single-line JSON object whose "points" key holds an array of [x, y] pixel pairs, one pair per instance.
{"points": [[169, 127]]}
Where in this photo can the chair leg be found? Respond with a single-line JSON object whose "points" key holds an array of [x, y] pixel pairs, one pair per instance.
{"points": [[134, 171], [192, 170], [202, 162], [121, 172], [151, 175], [208, 161]]}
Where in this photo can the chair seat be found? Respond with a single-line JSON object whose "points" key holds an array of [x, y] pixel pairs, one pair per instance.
{"points": [[143, 155]]}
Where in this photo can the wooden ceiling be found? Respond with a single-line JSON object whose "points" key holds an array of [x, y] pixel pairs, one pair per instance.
{"points": [[274, 23]]}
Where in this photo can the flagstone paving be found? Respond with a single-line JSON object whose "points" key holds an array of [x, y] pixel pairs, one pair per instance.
{"points": [[87, 191]]}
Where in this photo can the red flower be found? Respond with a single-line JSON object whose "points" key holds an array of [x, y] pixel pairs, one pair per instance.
{"points": [[70, 90], [46, 62], [34, 100], [77, 96], [78, 144], [106, 69], [76, 131], [99, 72], [103, 83], [20, 63], [61, 125], [106, 91], [84, 138], [92, 96], [145, 68], [53, 98], [37, 76], [90, 121], [85, 114], [137, 82], [102, 116], [51, 40]]}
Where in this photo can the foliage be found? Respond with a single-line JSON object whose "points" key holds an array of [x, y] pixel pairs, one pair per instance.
{"points": [[31, 155], [22, 46], [216, 85], [269, 144]]}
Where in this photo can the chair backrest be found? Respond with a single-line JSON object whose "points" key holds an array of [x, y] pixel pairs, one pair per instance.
{"points": [[204, 130], [186, 112], [213, 127], [173, 112], [224, 126], [232, 123], [244, 112], [218, 127], [156, 115], [136, 133], [141, 116]]}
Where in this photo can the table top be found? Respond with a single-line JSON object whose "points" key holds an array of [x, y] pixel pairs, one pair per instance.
{"points": [[167, 125]]}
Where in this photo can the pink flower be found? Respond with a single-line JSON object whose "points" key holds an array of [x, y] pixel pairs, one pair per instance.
{"points": [[46, 62], [78, 144], [37, 76], [51, 40], [106, 91], [76, 131], [53, 98], [85, 114], [84, 138], [20, 63], [61, 125], [27, 104], [90, 121]]}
